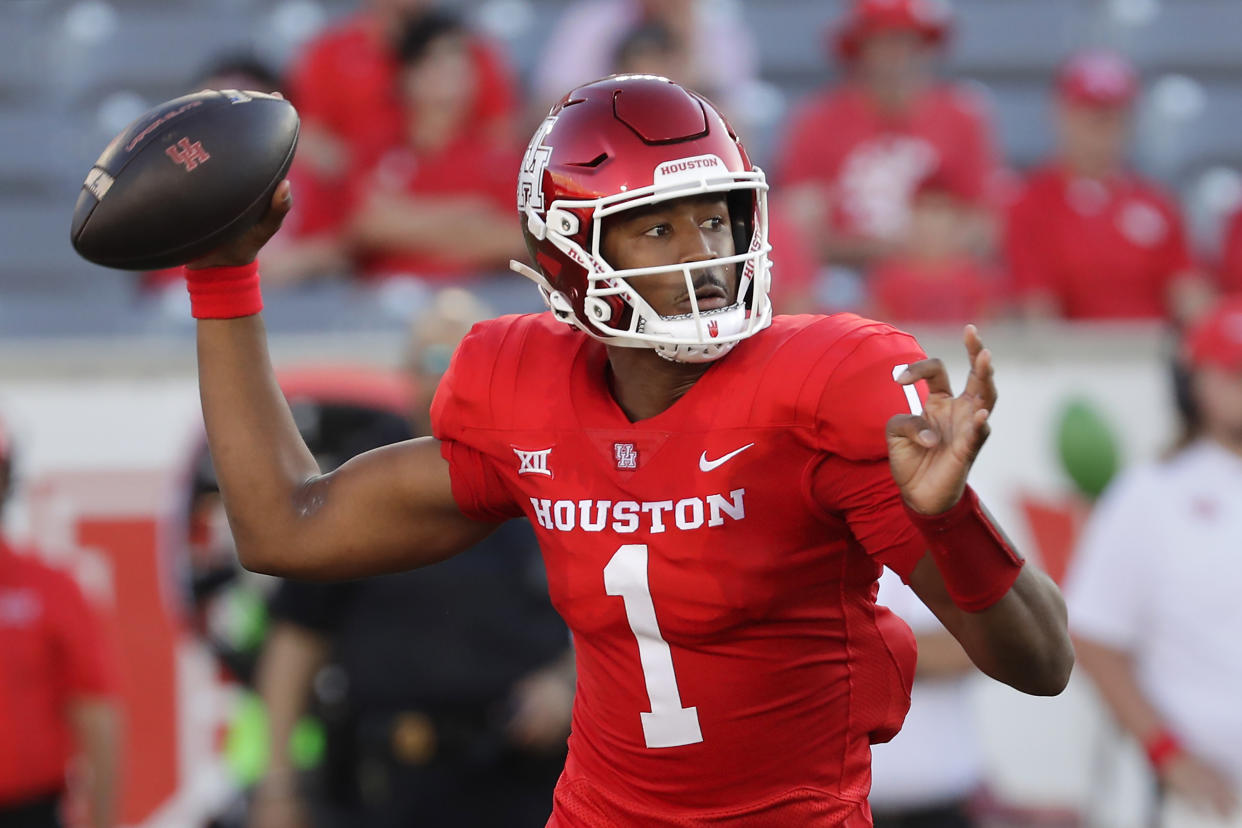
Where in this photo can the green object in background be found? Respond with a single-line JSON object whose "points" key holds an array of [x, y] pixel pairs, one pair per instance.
{"points": [[247, 619], [1087, 446], [245, 747]]}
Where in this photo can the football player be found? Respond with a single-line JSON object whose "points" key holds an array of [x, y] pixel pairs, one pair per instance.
{"points": [[715, 491]]}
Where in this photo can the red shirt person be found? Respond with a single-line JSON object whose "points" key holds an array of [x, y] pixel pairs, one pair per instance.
{"points": [[856, 151], [1088, 238], [347, 90], [438, 205], [935, 278], [58, 677], [715, 491]]}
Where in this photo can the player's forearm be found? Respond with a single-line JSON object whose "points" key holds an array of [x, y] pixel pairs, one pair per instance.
{"points": [[259, 456], [1022, 640], [1112, 671], [457, 230], [402, 223], [291, 657], [98, 729]]}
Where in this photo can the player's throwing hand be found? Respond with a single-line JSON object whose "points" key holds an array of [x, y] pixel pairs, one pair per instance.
{"points": [[932, 453], [243, 249]]}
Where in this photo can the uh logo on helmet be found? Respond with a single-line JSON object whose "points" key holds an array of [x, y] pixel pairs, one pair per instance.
{"points": [[625, 142]]}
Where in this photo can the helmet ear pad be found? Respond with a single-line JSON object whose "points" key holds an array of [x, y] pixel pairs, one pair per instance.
{"points": [[611, 309], [742, 218]]}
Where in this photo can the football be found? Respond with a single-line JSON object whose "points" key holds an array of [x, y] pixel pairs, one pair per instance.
{"points": [[184, 178]]}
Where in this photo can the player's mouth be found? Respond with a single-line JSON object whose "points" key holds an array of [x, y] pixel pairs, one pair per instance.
{"points": [[709, 294]]}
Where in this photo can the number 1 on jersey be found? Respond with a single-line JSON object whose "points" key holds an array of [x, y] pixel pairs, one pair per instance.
{"points": [[668, 724], [912, 393]]}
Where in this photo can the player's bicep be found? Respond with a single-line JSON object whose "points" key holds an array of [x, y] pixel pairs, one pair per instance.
{"points": [[387, 510]]}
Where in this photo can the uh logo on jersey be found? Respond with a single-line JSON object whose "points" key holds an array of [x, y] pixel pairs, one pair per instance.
{"points": [[629, 516]]}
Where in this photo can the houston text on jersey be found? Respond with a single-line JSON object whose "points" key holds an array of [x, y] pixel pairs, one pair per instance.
{"points": [[626, 516]]}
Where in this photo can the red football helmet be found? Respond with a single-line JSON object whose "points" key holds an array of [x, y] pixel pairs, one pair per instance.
{"points": [[623, 142]]}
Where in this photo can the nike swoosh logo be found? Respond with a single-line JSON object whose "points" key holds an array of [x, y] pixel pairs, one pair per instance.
{"points": [[707, 465]]}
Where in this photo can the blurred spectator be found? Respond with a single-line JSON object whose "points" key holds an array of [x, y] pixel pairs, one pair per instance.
{"points": [[928, 774], [346, 88], [58, 677], [855, 152], [455, 682], [1153, 592], [720, 60], [934, 278], [308, 245], [1087, 237], [651, 48], [1231, 264], [439, 206]]}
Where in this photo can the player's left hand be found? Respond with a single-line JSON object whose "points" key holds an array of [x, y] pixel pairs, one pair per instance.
{"points": [[931, 454]]}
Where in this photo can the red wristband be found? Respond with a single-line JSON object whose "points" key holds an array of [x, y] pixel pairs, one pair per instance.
{"points": [[1161, 748], [977, 562], [224, 292]]}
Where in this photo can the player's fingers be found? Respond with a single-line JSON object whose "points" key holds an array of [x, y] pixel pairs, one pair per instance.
{"points": [[282, 203], [981, 383], [933, 371], [282, 199], [913, 427], [972, 340], [982, 428]]}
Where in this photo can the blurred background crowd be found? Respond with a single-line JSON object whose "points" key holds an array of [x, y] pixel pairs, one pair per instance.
{"points": [[1065, 173], [1070, 159]]}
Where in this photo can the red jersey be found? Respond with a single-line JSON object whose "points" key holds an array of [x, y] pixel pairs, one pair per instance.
{"points": [[717, 562], [346, 81], [468, 168], [52, 649], [955, 291], [1101, 249], [870, 162]]}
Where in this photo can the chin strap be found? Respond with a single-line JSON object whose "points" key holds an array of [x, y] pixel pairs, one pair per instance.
{"points": [[725, 321]]}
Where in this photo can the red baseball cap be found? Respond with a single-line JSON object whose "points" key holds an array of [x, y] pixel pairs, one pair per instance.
{"points": [[1098, 78], [1216, 339], [930, 18]]}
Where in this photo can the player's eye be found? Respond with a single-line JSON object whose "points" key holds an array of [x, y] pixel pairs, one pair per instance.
{"points": [[714, 223], [659, 230]]}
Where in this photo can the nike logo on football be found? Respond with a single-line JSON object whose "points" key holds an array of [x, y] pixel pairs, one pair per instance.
{"points": [[707, 465]]}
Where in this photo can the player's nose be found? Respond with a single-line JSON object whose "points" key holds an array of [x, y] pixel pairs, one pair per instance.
{"points": [[696, 245]]}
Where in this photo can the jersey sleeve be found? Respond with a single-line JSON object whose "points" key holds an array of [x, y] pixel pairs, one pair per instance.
{"points": [[86, 649], [860, 393], [1106, 587], [462, 420], [863, 494], [856, 395]]}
